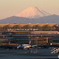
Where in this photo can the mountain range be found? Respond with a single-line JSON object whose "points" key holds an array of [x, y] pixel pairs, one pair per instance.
{"points": [[31, 15]]}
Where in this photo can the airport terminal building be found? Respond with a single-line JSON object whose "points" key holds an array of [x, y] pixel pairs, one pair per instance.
{"points": [[24, 33]]}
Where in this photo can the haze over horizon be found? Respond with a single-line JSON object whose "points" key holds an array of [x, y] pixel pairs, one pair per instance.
{"points": [[11, 7]]}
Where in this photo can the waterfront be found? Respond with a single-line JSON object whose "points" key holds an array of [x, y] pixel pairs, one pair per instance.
{"points": [[21, 54]]}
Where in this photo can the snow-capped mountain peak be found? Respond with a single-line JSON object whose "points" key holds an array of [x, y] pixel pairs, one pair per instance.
{"points": [[32, 12]]}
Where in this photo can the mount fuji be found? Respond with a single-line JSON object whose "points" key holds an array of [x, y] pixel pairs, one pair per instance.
{"points": [[31, 15], [32, 12]]}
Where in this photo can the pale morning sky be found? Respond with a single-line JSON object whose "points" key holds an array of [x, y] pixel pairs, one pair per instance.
{"points": [[12, 7]]}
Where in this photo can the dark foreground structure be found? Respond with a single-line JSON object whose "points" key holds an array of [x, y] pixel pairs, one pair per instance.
{"points": [[25, 37]]}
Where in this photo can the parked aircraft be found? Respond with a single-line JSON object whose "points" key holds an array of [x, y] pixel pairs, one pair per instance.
{"points": [[24, 46]]}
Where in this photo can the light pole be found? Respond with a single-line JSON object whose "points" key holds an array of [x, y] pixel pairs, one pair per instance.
{"points": [[37, 45]]}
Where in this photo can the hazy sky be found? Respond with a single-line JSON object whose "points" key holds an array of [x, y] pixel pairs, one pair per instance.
{"points": [[12, 7]]}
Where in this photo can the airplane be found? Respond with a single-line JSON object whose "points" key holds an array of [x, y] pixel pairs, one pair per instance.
{"points": [[24, 46]]}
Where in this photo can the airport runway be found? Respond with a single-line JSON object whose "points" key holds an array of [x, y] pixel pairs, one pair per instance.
{"points": [[21, 54]]}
